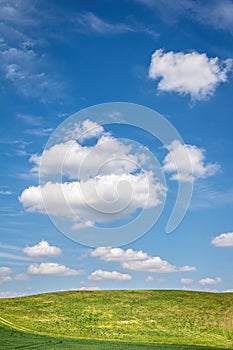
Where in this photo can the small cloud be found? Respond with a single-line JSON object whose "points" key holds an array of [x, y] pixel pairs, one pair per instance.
{"points": [[4, 274], [191, 73], [11, 294], [186, 281], [187, 162], [6, 193], [187, 268], [5, 279], [31, 119], [100, 275], [5, 270], [85, 130], [210, 281], [40, 132], [149, 279], [42, 249], [21, 277], [223, 240], [92, 287], [52, 269], [89, 22]]}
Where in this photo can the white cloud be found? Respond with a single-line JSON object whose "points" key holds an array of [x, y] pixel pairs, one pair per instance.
{"points": [[89, 288], [85, 130], [111, 180], [4, 274], [11, 294], [22, 69], [100, 275], [42, 249], [215, 13], [90, 23], [137, 260], [186, 281], [175, 163], [118, 254], [95, 199], [52, 269], [108, 156], [188, 73], [5, 270], [6, 193], [223, 240], [5, 279], [210, 281]]}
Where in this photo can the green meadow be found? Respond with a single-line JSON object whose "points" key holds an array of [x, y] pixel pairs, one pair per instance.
{"points": [[131, 320]]}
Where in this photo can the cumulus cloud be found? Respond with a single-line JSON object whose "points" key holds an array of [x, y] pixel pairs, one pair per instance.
{"points": [[174, 162], [223, 240], [210, 281], [137, 260], [188, 73], [108, 156], [100, 275], [42, 249], [94, 199], [52, 269], [104, 182]]}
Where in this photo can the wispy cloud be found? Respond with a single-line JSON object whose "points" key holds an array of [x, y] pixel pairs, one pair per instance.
{"points": [[9, 256], [90, 23], [32, 120], [6, 193], [23, 59], [206, 196], [214, 13], [40, 132]]}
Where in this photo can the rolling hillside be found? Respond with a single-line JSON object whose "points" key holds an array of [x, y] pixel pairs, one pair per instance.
{"points": [[164, 317]]}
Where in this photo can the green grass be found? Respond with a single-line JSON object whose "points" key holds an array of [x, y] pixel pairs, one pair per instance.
{"points": [[12, 339], [165, 317]]}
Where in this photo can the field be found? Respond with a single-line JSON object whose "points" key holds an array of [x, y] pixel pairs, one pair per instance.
{"points": [[118, 320], [13, 339]]}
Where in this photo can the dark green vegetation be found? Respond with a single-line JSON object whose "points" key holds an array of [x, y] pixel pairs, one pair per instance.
{"points": [[165, 317], [12, 339]]}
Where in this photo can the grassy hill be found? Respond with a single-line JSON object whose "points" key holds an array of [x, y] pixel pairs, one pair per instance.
{"points": [[165, 317]]}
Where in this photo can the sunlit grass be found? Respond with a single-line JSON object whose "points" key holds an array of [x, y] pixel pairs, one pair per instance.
{"points": [[169, 317]]}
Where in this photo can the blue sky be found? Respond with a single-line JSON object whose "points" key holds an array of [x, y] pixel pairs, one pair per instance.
{"points": [[63, 57]]}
